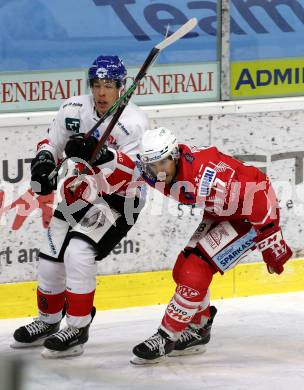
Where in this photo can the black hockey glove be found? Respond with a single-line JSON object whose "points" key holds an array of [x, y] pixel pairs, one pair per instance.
{"points": [[80, 146], [41, 166], [103, 156]]}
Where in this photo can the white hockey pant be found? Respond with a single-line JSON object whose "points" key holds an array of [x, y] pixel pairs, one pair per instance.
{"points": [[76, 276]]}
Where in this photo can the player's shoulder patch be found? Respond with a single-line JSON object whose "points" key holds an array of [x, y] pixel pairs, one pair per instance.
{"points": [[72, 124], [71, 111]]}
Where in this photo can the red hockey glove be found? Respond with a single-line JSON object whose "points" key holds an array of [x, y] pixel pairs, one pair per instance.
{"points": [[274, 249]]}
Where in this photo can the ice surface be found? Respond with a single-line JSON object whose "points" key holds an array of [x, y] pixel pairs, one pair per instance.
{"points": [[257, 343]]}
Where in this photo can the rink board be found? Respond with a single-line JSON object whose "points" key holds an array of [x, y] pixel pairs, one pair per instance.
{"points": [[153, 288], [237, 128]]}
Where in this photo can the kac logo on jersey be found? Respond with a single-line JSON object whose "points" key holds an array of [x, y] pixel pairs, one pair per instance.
{"points": [[72, 124], [206, 182]]}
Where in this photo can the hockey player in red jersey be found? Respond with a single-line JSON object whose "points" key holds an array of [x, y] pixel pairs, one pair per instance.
{"points": [[240, 213]]}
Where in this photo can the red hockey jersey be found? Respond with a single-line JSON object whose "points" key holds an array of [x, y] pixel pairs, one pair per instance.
{"points": [[225, 186]]}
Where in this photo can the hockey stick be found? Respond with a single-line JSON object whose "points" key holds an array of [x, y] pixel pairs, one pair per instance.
{"points": [[182, 31], [155, 51], [121, 103], [91, 131]]}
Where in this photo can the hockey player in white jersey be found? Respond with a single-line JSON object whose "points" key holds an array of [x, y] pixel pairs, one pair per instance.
{"points": [[67, 261]]}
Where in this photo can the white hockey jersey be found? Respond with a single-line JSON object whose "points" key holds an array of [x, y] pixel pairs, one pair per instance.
{"points": [[78, 115]]}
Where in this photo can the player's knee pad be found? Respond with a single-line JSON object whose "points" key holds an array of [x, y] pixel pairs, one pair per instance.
{"points": [[80, 265], [51, 276], [193, 272]]}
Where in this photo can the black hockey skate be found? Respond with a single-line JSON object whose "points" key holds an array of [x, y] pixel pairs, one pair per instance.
{"points": [[194, 340], [67, 342], [34, 334], [153, 350]]}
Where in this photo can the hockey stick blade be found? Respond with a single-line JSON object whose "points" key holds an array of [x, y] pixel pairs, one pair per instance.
{"points": [[181, 32], [178, 34]]}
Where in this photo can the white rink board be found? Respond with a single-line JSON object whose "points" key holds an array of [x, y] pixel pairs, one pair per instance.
{"points": [[268, 131]]}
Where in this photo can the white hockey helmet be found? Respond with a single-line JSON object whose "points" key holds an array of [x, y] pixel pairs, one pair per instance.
{"points": [[158, 144]]}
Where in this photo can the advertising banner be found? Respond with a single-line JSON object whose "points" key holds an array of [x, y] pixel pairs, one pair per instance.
{"points": [[163, 84], [267, 78]]}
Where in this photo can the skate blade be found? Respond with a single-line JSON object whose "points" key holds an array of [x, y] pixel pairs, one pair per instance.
{"points": [[18, 345], [188, 351], [136, 361], [73, 351]]}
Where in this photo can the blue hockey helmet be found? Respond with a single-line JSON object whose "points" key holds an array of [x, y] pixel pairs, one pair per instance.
{"points": [[108, 67]]}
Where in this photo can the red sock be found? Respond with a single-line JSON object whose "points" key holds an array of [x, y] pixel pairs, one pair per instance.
{"points": [[50, 303], [79, 305]]}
